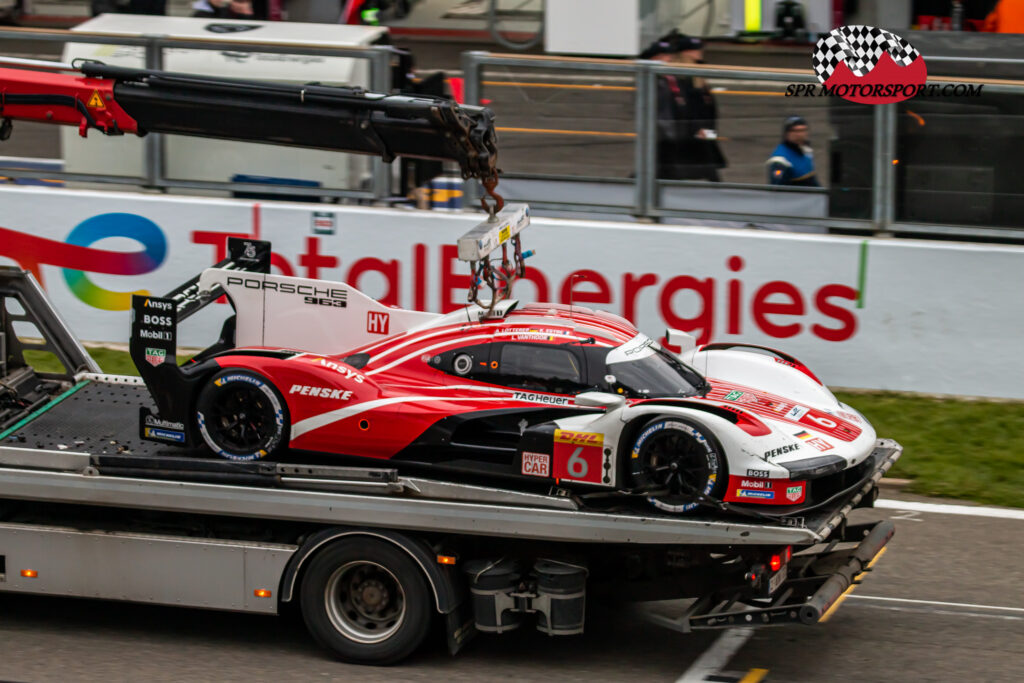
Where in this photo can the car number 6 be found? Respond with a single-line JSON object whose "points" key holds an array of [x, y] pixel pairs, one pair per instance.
{"points": [[823, 421], [577, 466]]}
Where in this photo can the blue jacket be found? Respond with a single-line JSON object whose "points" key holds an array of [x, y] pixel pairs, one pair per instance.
{"points": [[791, 164]]}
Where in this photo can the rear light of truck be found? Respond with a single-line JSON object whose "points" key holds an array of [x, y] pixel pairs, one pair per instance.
{"points": [[778, 560]]}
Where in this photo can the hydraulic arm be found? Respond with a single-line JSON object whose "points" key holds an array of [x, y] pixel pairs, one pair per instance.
{"points": [[117, 100]]}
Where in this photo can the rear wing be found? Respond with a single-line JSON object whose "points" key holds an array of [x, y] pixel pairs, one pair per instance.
{"points": [[153, 340]]}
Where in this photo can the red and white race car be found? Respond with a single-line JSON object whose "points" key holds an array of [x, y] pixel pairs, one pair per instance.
{"points": [[538, 393]]}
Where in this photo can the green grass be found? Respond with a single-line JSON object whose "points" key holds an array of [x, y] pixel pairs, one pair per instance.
{"points": [[110, 361], [952, 448], [972, 450]]}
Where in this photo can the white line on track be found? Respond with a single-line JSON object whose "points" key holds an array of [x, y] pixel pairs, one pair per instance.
{"points": [[944, 509], [943, 612], [936, 603], [717, 656]]}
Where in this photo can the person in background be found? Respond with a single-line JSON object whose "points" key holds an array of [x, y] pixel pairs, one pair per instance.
{"points": [[1007, 17], [687, 139], [792, 162]]}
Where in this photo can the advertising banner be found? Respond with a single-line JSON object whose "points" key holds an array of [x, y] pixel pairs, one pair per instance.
{"points": [[884, 314]]}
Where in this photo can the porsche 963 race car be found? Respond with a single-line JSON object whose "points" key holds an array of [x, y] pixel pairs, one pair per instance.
{"points": [[534, 394]]}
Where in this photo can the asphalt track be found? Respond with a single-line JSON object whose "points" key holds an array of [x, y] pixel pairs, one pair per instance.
{"points": [[944, 603]]}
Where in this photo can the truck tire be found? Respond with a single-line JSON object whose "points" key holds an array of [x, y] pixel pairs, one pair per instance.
{"points": [[677, 456], [241, 416], [367, 601]]}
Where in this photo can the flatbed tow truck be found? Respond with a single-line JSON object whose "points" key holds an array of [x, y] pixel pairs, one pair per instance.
{"points": [[374, 556]]}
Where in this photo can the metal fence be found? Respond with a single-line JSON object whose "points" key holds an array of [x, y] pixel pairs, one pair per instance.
{"points": [[645, 195], [154, 152], [876, 206]]}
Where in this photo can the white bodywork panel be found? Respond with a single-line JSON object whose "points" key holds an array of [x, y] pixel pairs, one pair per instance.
{"points": [[317, 316]]}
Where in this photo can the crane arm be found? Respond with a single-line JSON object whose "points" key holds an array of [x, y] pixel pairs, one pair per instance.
{"points": [[118, 100]]}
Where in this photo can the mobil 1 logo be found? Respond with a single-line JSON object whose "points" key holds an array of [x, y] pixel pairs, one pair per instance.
{"points": [[154, 330]]}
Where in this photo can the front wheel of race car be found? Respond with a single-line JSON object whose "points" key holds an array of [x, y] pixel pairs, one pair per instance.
{"points": [[680, 462], [241, 416]]}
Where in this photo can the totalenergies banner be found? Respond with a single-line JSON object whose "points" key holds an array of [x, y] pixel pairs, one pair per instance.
{"points": [[883, 314]]}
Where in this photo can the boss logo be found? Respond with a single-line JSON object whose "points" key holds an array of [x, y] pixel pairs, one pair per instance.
{"points": [[162, 320]]}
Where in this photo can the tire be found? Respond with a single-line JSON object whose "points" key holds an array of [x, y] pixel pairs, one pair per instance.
{"points": [[241, 416], [680, 455], [367, 601]]}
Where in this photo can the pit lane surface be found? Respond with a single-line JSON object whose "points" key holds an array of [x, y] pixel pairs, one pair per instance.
{"points": [[965, 571]]}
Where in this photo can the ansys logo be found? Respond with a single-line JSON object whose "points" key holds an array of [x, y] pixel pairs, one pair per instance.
{"points": [[872, 66]]}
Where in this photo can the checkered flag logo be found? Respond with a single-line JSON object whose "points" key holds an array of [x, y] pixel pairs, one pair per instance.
{"points": [[860, 47]]}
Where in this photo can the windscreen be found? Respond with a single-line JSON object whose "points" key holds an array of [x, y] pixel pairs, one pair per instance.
{"points": [[642, 369]]}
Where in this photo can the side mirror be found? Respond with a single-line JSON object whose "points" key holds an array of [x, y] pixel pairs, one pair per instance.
{"points": [[600, 399], [684, 341]]}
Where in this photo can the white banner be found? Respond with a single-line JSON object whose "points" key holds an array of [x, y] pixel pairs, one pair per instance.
{"points": [[883, 314]]}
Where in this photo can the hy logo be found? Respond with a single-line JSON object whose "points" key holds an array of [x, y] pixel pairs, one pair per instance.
{"points": [[869, 65]]}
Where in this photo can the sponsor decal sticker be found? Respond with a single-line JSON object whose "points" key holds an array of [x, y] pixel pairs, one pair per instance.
{"points": [[152, 421], [578, 455], [320, 392], [349, 373], [537, 464], [733, 396], [164, 434], [156, 357], [803, 435], [764, 490], [763, 495], [378, 322], [541, 398], [796, 412], [820, 444], [781, 450], [757, 473]]}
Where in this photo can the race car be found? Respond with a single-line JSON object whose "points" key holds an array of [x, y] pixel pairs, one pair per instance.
{"points": [[541, 393]]}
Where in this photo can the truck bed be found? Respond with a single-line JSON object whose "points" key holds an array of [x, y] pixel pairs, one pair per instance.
{"points": [[84, 447]]}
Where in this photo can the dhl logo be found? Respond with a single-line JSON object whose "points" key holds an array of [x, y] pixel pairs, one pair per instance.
{"points": [[578, 438]]}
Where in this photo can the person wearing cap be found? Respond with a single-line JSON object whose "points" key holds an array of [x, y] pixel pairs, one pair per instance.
{"points": [[687, 139], [792, 162]]}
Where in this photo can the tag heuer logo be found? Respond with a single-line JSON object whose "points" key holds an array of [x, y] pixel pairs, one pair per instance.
{"points": [[155, 357], [794, 492]]}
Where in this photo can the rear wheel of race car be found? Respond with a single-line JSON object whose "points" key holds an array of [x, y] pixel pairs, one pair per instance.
{"points": [[241, 416], [680, 461], [367, 601]]}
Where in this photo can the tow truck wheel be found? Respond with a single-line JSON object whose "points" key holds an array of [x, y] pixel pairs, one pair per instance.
{"points": [[679, 461], [241, 416], [367, 601]]}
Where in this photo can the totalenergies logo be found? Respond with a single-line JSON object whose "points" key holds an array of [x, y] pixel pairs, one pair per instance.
{"points": [[76, 257], [869, 65]]}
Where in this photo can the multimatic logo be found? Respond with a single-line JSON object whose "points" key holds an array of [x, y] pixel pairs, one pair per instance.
{"points": [[322, 296], [870, 65]]}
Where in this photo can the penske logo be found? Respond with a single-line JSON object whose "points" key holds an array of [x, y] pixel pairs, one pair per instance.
{"points": [[320, 392]]}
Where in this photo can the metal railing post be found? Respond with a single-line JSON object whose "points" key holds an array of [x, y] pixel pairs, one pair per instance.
{"points": [[380, 81], [883, 186], [646, 141], [153, 144], [472, 90]]}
